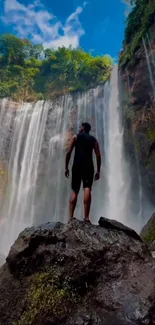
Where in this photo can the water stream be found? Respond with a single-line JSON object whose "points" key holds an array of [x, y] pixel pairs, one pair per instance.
{"points": [[149, 68], [118, 177], [151, 49]]}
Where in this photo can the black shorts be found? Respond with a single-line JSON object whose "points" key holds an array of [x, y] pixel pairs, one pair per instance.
{"points": [[79, 175]]}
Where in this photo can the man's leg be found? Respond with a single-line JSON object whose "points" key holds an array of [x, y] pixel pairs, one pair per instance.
{"points": [[88, 177], [76, 183], [87, 203], [72, 204]]}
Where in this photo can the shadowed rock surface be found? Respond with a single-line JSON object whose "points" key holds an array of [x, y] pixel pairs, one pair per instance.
{"points": [[78, 274], [113, 224]]}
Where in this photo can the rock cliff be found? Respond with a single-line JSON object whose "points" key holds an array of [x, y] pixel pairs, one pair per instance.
{"points": [[78, 274], [137, 94]]}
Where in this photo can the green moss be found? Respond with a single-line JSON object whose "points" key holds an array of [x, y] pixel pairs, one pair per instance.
{"points": [[128, 112], [149, 237], [137, 26], [47, 300], [128, 53], [151, 135], [137, 143]]}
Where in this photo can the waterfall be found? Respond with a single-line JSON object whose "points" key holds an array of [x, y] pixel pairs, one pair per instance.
{"points": [[150, 49], [28, 129], [118, 177], [33, 142], [149, 68]]}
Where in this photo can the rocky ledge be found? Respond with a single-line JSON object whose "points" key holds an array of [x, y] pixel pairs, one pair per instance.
{"points": [[78, 274]]}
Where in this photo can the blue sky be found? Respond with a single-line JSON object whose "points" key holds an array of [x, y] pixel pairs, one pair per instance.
{"points": [[95, 25]]}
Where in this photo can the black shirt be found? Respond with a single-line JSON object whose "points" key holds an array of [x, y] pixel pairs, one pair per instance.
{"points": [[84, 145]]}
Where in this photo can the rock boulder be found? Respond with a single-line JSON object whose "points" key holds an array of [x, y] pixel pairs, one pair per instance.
{"points": [[78, 274]]}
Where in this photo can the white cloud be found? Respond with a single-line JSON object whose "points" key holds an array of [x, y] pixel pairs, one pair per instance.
{"points": [[36, 3], [35, 22], [75, 15], [13, 5], [85, 3], [128, 8]]}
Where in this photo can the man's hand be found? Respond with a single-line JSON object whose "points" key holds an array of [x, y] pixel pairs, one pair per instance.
{"points": [[97, 176], [67, 173]]}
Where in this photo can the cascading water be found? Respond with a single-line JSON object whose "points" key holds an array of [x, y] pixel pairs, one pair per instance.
{"points": [[118, 177], [149, 68], [36, 190], [151, 49], [23, 162]]}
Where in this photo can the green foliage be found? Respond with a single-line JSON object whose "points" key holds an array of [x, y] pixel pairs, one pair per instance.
{"points": [[138, 22], [70, 70], [11, 50], [137, 144], [128, 111], [151, 135], [149, 236], [49, 299], [30, 72], [134, 20]]}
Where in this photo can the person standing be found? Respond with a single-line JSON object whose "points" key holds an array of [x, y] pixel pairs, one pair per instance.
{"points": [[83, 168]]}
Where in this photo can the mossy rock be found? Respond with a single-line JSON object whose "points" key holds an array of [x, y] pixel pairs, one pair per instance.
{"points": [[58, 274], [49, 300], [151, 135], [148, 233]]}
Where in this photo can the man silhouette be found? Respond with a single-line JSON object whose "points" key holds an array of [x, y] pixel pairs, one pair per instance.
{"points": [[83, 168]]}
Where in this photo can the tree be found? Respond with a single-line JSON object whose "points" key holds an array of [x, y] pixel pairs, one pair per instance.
{"points": [[11, 50], [48, 53], [27, 69], [37, 51]]}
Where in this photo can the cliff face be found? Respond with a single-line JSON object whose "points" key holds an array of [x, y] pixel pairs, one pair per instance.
{"points": [[137, 94]]}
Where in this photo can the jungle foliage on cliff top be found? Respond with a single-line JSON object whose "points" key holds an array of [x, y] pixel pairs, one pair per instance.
{"points": [[29, 71], [138, 22]]}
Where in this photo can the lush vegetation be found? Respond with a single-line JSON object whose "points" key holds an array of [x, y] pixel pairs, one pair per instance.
{"points": [[29, 71], [138, 22]]}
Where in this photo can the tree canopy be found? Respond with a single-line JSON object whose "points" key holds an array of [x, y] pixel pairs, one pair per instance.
{"points": [[28, 71]]}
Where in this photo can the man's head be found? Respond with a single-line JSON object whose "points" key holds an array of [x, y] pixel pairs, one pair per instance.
{"points": [[85, 127]]}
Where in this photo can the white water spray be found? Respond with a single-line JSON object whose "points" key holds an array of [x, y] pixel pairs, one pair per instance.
{"points": [[118, 178], [18, 210]]}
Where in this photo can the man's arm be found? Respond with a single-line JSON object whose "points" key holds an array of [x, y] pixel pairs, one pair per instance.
{"points": [[98, 160], [68, 156]]}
